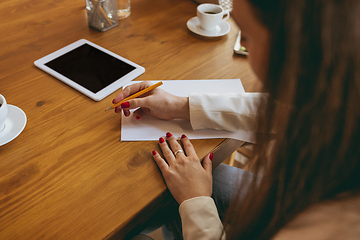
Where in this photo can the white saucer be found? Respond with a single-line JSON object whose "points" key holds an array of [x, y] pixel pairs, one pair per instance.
{"points": [[194, 25], [14, 124]]}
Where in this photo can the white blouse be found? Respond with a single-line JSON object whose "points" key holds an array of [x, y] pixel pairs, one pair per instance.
{"points": [[200, 219], [338, 219], [232, 112]]}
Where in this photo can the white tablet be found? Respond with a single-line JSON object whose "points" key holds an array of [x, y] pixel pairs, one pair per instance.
{"points": [[90, 69]]}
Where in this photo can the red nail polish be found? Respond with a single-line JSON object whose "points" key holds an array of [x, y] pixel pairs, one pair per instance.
{"points": [[125, 105], [183, 136], [138, 117], [113, 101], [153, 152], [168, 134], [211, 156], [161, 140]]}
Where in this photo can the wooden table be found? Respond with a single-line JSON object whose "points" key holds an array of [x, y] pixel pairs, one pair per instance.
{"points": [[67, 175]]}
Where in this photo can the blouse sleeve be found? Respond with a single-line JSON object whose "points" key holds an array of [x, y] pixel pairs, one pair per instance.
{"points": [[231, 112], [200, 219]]}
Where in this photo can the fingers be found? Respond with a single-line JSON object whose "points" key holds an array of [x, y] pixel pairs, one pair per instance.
{"points": [[132, 104], [175, 146], [207, 163], [189, 148], [160, 161], [126, 106], [168, 154], [130, 90], [138, 113]]}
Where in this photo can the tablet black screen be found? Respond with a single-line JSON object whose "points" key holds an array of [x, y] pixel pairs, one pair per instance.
{"points": [[90, 67]]}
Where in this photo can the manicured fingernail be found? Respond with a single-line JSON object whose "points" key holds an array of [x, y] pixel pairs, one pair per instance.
{"points": [[161, 140], [211, 156], [138, 117], [115, 110], [183, 136], [168, 134], [113, 101], [125, 105], [153, 152], [126, 114]]}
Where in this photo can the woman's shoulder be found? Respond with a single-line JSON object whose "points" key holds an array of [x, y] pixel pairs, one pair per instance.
{"points": [[335, 219]]}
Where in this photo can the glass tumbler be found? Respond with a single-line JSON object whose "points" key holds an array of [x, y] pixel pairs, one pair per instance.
{"points": [[102, 14], [123, 8]]}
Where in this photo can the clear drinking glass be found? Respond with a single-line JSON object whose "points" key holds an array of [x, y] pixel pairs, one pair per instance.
{"points": [[102, 14], [123, 8]]}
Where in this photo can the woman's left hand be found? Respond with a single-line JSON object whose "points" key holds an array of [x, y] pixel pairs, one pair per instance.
{"points": [[182, 171]]}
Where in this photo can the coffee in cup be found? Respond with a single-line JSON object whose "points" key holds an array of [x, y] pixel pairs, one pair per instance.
{"points": [[3, 112], [210, 15]]}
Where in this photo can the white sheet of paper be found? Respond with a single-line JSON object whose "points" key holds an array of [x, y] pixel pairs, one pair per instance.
{"points": [[150, 128]]}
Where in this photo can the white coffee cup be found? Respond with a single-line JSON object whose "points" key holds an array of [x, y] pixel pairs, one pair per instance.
{"points": [[3, 112], [210, 15]]}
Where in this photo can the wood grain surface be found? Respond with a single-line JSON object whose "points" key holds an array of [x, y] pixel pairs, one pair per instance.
{"points": [[68, 175]]}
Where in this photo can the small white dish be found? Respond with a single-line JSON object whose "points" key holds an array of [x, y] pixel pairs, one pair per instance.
{"points": [[194, 25], [14, 124]]}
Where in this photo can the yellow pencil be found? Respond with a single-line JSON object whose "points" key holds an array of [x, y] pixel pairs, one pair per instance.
{"points": [[135, 95], [106, 17]]}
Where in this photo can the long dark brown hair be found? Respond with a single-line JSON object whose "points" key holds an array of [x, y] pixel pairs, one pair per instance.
{"points": [[313, 110]]}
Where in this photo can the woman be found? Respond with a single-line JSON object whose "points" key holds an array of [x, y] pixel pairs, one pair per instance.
{"points": [[307, 53]]}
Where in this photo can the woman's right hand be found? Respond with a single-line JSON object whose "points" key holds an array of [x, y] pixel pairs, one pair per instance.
{"points": [[157, 103]]}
